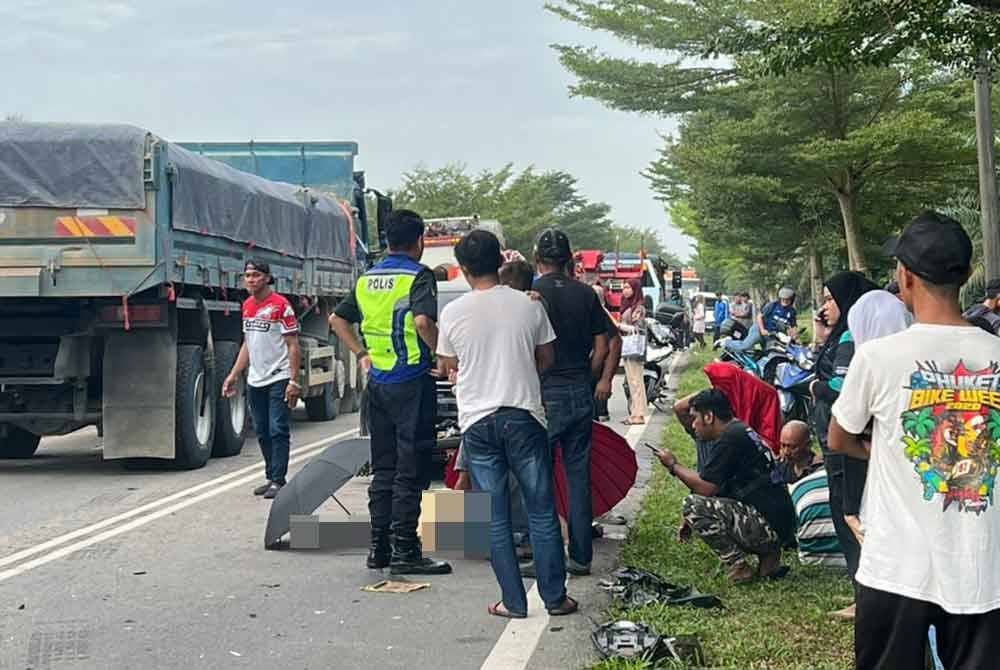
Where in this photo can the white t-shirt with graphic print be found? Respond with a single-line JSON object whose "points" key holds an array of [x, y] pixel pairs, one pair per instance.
{"points": [[265, 324], [932, 528]]}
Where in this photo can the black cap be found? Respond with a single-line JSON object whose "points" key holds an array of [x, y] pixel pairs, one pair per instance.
{"points": [[259, 266], [935, 248], [993, 290], [553, 245]]}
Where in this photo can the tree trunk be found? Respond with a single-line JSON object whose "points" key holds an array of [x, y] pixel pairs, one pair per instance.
{"points": [[988, 206], [846, 200], [816, 276]]}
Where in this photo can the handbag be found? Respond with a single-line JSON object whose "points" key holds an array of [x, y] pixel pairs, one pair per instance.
{"points": [[634, 346]]}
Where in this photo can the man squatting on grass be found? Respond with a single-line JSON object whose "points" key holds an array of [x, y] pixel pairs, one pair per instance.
{"points": [[738, 504]]}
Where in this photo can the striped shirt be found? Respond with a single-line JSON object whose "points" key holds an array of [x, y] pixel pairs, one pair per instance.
{"points": [[818, 544]]}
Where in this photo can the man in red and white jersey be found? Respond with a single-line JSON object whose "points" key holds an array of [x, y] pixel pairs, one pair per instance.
{"points": [[271, 352]]}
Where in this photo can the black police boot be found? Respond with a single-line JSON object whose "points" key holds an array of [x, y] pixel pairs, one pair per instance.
{"points": [[408, 559], [380, 551]]}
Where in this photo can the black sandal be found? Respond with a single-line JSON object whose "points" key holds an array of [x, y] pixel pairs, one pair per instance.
{"points": [[568, 606]]}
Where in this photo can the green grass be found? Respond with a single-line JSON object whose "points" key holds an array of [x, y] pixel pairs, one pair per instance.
{"points": [[773, 626]]}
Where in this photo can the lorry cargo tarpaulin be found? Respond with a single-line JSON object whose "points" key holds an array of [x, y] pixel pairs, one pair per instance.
{"points": [[72, 166], [330, 231], [212, 198]]}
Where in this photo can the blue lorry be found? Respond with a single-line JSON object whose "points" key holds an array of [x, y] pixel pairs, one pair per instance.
{"points": [[121, 258]]}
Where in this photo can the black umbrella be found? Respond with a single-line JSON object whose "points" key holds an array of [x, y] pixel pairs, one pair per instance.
{"points": [[318, 480]]}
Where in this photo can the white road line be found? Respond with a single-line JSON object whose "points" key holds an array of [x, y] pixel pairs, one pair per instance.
{"points": [[149, 518], [253, 470], [303, 453], [520, 637]]}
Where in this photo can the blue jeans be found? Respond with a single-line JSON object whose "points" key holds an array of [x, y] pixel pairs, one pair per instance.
{"points": [[518, 515], [569, 410], [512, 441], [747, 343], [270, 421]]}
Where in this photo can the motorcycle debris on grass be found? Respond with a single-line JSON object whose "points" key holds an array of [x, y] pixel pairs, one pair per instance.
{"points": [[637, 641], [637, 588]]}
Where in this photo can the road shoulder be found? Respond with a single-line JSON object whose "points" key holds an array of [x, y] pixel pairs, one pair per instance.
{"points": [[566, 643]]}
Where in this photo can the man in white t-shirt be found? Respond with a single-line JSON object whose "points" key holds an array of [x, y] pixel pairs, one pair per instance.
{"points": [[931, 554], [499, 340], [271, 352]]}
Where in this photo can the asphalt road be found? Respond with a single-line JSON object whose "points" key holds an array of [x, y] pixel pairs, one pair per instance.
{"points": [[106, 568]]}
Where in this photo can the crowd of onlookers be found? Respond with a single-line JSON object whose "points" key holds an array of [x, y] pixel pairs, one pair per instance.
{"points": [[901, 491]]}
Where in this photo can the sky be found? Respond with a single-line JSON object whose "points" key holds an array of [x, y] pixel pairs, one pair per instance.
{"points": [[424, 81]]}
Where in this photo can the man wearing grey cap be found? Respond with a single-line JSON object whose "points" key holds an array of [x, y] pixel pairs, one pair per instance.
{"points": [[986, 315], [932, 530]]}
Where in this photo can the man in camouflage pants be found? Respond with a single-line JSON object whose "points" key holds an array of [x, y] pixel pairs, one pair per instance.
{"points": [[738, 503], [731, 528]]}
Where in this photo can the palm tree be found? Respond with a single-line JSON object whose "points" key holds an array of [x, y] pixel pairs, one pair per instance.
{"points": [[964, 208], [916, 449], [920, 424]]}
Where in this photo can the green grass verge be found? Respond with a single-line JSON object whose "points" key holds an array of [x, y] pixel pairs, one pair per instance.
{"points": [[774, 626]]}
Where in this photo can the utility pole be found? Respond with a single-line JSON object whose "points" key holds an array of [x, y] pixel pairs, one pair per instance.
{"points": [[989, 208]]}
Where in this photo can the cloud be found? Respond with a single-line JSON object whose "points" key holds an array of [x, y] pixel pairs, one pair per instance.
{"points": [[328, 39], [55, 16]]}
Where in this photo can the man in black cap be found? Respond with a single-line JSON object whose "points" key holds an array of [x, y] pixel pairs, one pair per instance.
{"points": [[985, 315], [931, 528], [581, 345], [270, 354]]}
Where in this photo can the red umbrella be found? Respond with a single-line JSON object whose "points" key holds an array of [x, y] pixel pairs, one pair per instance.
{"points": [[612, 472], [754, 401], [613, 468], [450, 473]]}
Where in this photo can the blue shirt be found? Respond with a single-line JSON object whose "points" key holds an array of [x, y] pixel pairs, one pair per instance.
{"points": [[721, 311], [778, 317]]}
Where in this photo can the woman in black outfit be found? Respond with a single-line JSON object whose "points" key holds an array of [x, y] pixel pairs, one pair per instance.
{"points": [[840, 293]]}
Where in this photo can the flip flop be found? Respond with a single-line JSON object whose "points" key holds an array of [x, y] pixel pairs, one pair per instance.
{"points": [[569, 606], [498, 609]]}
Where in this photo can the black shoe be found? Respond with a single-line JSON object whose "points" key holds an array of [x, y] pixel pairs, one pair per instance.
{"points": [[380, 551], [262, 489], [272, 490], [408, 559]]}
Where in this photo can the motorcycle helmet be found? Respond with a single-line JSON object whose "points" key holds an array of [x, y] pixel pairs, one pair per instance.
{"points": [[786, 293]]}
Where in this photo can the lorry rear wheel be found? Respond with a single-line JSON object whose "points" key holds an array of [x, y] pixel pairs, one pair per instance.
{"points": [[18, 443], [230, 413], [325, 406], [195, 413]]}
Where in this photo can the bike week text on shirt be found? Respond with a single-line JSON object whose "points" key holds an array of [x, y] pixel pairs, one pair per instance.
{"points": [[951, 433], [932, 530], [265, 324]]}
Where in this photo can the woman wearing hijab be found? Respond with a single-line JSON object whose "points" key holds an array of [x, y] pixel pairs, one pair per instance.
{"points": [[698, 320], [632, 322], [876, 314], [840, 293]]}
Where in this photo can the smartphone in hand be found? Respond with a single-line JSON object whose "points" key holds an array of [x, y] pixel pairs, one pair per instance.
{"points": [[652, 448]]}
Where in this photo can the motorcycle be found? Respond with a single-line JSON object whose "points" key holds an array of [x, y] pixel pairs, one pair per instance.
{"points": [[661, 343], [792, 374]]}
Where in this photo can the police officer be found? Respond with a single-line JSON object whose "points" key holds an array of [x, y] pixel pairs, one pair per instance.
{"points": [[396, 304]]}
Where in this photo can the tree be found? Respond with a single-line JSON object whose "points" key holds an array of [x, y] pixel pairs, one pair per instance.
{"points": [[958, 34], [525, 203], [845, 132]]}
